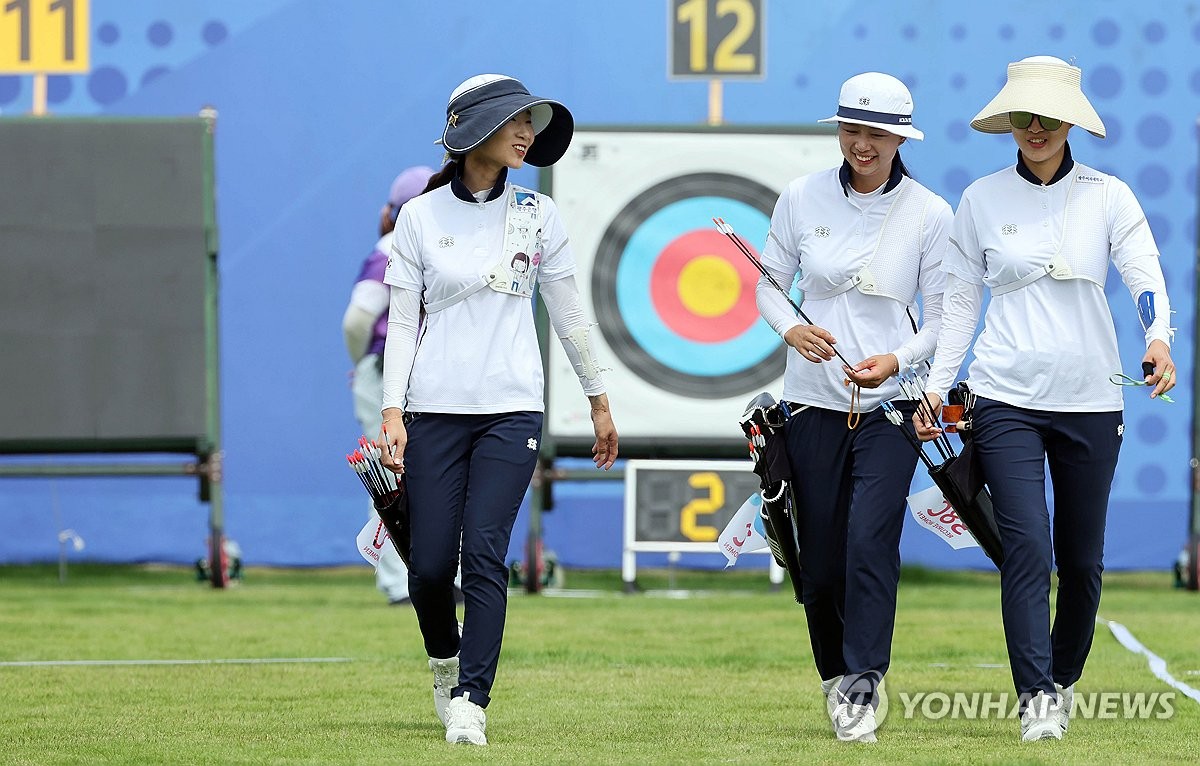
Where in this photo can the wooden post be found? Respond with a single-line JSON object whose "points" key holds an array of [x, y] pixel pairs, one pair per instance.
{"points": [[714, 102], [39, 94]]}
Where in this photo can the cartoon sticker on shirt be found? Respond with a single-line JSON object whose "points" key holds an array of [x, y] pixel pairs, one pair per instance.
{"points": [[520, 272], [516, 270]]}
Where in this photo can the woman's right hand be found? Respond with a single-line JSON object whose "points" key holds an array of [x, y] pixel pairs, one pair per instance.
{"points": [[393, 438], [814, 343], [927, 431]]}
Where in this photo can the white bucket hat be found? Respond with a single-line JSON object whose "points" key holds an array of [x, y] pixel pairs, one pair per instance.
{"points": [[877, 100], [1043, 85]]}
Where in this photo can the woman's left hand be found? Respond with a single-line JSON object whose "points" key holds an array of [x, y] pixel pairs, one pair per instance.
{"points": [[604, 451], [873, 371], [1163, 377]]}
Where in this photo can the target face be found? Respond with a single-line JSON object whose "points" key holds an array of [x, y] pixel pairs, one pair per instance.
{"points": [[674, 297]]}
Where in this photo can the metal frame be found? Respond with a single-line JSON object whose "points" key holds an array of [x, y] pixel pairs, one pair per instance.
{"points": [[631, 546], [207, 465]]}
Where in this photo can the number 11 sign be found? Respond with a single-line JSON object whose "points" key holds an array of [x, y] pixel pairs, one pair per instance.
{"points": [[44, 36]]}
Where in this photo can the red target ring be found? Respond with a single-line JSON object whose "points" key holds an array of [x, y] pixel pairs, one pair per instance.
{"points": [[700, 291]]}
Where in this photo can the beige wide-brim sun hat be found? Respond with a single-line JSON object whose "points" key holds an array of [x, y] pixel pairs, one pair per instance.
{"points": [[1043, 85]]}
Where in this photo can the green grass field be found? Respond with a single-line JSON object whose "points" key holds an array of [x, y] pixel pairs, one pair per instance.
{"points": [[725, 676]]}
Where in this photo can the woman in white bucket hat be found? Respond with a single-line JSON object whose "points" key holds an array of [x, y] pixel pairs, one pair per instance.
{"points": [[867, 241], [1043, 364], [462, 378]]}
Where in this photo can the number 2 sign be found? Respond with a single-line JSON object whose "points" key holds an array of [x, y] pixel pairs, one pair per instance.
{"points": [[43, 36]]}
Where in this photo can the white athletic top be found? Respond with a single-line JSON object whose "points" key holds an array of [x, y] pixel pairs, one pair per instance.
{"points": [[479, 355], [1049, 345], [827, 232]]}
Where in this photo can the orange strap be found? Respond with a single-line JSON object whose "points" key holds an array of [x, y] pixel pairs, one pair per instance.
{"points": [[855, 413]]}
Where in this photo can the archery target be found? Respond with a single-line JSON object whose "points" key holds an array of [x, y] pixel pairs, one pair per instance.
{"points": [[676, 302], [677, 323]]}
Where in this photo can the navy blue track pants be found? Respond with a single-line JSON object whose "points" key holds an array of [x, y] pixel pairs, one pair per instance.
{"points": [[850, 489], [466, 476], [1014, 446]]}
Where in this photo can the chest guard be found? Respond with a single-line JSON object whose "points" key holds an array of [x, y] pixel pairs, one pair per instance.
{"points": [[515, 271], [893, 271], [1082, 250]]}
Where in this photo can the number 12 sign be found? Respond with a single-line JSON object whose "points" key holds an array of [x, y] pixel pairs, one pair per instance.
{"points": [[716, 39], [44, 36]]}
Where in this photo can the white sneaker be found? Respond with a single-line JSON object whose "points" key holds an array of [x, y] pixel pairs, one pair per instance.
{"points": [[854, 723], [445, 678], [1040, 719], [1066, 703], [465, 722], [829, 689]]}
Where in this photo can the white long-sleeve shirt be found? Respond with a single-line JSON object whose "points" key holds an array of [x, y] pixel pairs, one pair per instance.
{"points": [[1049, 345], [827, 233], [481, 354]]}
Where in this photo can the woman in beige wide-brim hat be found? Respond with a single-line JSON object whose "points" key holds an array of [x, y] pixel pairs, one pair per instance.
{"points": [[1040, 235]]}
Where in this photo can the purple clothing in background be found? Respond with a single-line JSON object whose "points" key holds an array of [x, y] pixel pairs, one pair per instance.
{"points": [[373, 269]]}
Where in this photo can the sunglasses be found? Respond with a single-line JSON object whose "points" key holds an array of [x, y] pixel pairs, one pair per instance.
{"points": [[1022, 120]]}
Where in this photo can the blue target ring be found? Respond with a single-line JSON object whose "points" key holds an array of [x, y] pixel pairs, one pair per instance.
{"points": [[633, 289], [747, 358]]}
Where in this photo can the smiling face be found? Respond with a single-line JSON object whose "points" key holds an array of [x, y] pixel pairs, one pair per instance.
{"points": [[870, 152], [1041, 148], [508, 146]]}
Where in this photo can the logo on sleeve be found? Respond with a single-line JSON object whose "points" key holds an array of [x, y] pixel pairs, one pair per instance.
{"points": [[446, 242], [821, 231], [1008, 228]]}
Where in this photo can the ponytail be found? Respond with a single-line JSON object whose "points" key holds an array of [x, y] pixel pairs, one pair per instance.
{"points": [[443, 176]]}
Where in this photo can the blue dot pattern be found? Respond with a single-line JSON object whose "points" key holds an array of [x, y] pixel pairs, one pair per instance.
{"points": [[1154, 131], [1154, 82], [1105, 82], [956, 64], [107, 85], [1141, 72], [214, 33], [1106, 32], [108, 33], [10, 89], [58, 89], [133, 46], [159, 34]]}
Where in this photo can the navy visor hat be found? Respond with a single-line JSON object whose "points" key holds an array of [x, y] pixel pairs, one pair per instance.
{"points": [[484, 103]]}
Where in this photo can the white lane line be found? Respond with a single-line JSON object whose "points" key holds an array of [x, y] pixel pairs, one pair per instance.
{"points": [[255, 661], [1158, 666]]}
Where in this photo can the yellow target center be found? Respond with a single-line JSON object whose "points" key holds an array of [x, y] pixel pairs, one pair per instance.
{"points": [[709, 286]]}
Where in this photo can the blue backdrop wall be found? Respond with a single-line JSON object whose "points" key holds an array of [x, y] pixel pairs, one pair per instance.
{"points": [[322, 103]]}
